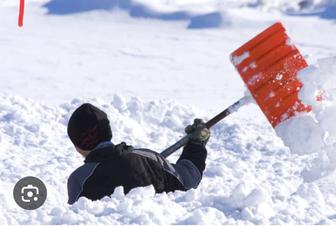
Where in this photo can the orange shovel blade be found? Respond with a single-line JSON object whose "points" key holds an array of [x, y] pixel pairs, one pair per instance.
{"points": [[268, 64]]}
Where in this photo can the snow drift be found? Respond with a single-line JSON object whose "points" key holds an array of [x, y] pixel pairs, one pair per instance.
{"points": [[204, 18], [250, 178], [315, 132]]}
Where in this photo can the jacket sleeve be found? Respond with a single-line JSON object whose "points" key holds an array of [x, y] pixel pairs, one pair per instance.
{"points": [[77, 180], [196, 153]]}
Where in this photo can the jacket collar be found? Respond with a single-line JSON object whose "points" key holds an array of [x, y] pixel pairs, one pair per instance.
{"points": [[107, 150], [103, 144]]}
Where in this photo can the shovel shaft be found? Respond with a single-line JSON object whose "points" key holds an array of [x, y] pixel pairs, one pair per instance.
{"points": [[233, 108], [168, 151]]}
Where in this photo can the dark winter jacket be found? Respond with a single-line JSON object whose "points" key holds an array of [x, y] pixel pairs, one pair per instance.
{"points": [[109, 166]]}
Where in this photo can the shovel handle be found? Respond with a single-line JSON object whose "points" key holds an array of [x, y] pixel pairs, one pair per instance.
{"points": [[233, 108]]}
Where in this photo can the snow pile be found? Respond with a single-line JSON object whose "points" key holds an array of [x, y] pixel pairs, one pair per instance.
{"points": [[190, 10], [315, 132], [293, 6], [186, 9], [250, 178], [208, 16], [285, 6], [34, 142]]}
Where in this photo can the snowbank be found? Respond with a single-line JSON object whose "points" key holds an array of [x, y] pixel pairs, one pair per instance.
{"points": [[203, 17], [315, 132], [188, 10], [250, 178]]}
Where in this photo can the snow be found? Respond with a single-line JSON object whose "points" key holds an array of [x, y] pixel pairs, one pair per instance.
{"points": [[236, 60], [153, 70], [253, 79], [315, 132]]}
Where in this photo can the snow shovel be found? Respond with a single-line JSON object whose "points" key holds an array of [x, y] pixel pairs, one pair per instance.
{"points": [[268, 64]]}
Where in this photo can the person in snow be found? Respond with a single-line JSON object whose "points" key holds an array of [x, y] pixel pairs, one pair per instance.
{"points": [[107, 166]]}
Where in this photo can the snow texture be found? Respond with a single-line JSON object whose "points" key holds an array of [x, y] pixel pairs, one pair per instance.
{"points": [[236, 60], [154, 66], [249, 176], [315, 132]]}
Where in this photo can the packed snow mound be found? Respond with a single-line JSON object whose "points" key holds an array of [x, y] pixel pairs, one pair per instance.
{"points": [[198, 14], [295, 5], [250, 178], [315, 132], [285, 6], [187, 10], [206, 17]]}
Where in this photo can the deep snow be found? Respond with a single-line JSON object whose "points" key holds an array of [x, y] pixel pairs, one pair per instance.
{"points": [[250, 177], [153, 76], [315, 132]]}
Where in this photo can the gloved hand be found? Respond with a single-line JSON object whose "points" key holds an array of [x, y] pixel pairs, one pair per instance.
{"points": [[199, 133]]}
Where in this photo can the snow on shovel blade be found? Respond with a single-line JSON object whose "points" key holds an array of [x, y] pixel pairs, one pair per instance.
{"points": [[268, 64]]}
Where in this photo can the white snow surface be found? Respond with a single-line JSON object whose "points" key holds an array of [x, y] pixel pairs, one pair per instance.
{"points": [[315, 132], [153, 70]]}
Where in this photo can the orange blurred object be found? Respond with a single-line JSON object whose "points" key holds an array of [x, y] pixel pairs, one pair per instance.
{"points": [[268, 64]]}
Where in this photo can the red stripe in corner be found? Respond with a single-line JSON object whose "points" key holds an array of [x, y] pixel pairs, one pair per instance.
{"points": [[21, 13]]}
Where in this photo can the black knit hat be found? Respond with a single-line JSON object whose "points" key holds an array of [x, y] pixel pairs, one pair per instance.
{"points": [[88, 126]]}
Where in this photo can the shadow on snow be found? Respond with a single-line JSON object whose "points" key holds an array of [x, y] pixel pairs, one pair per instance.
{"points": [[327, 13], [136, 10]]}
